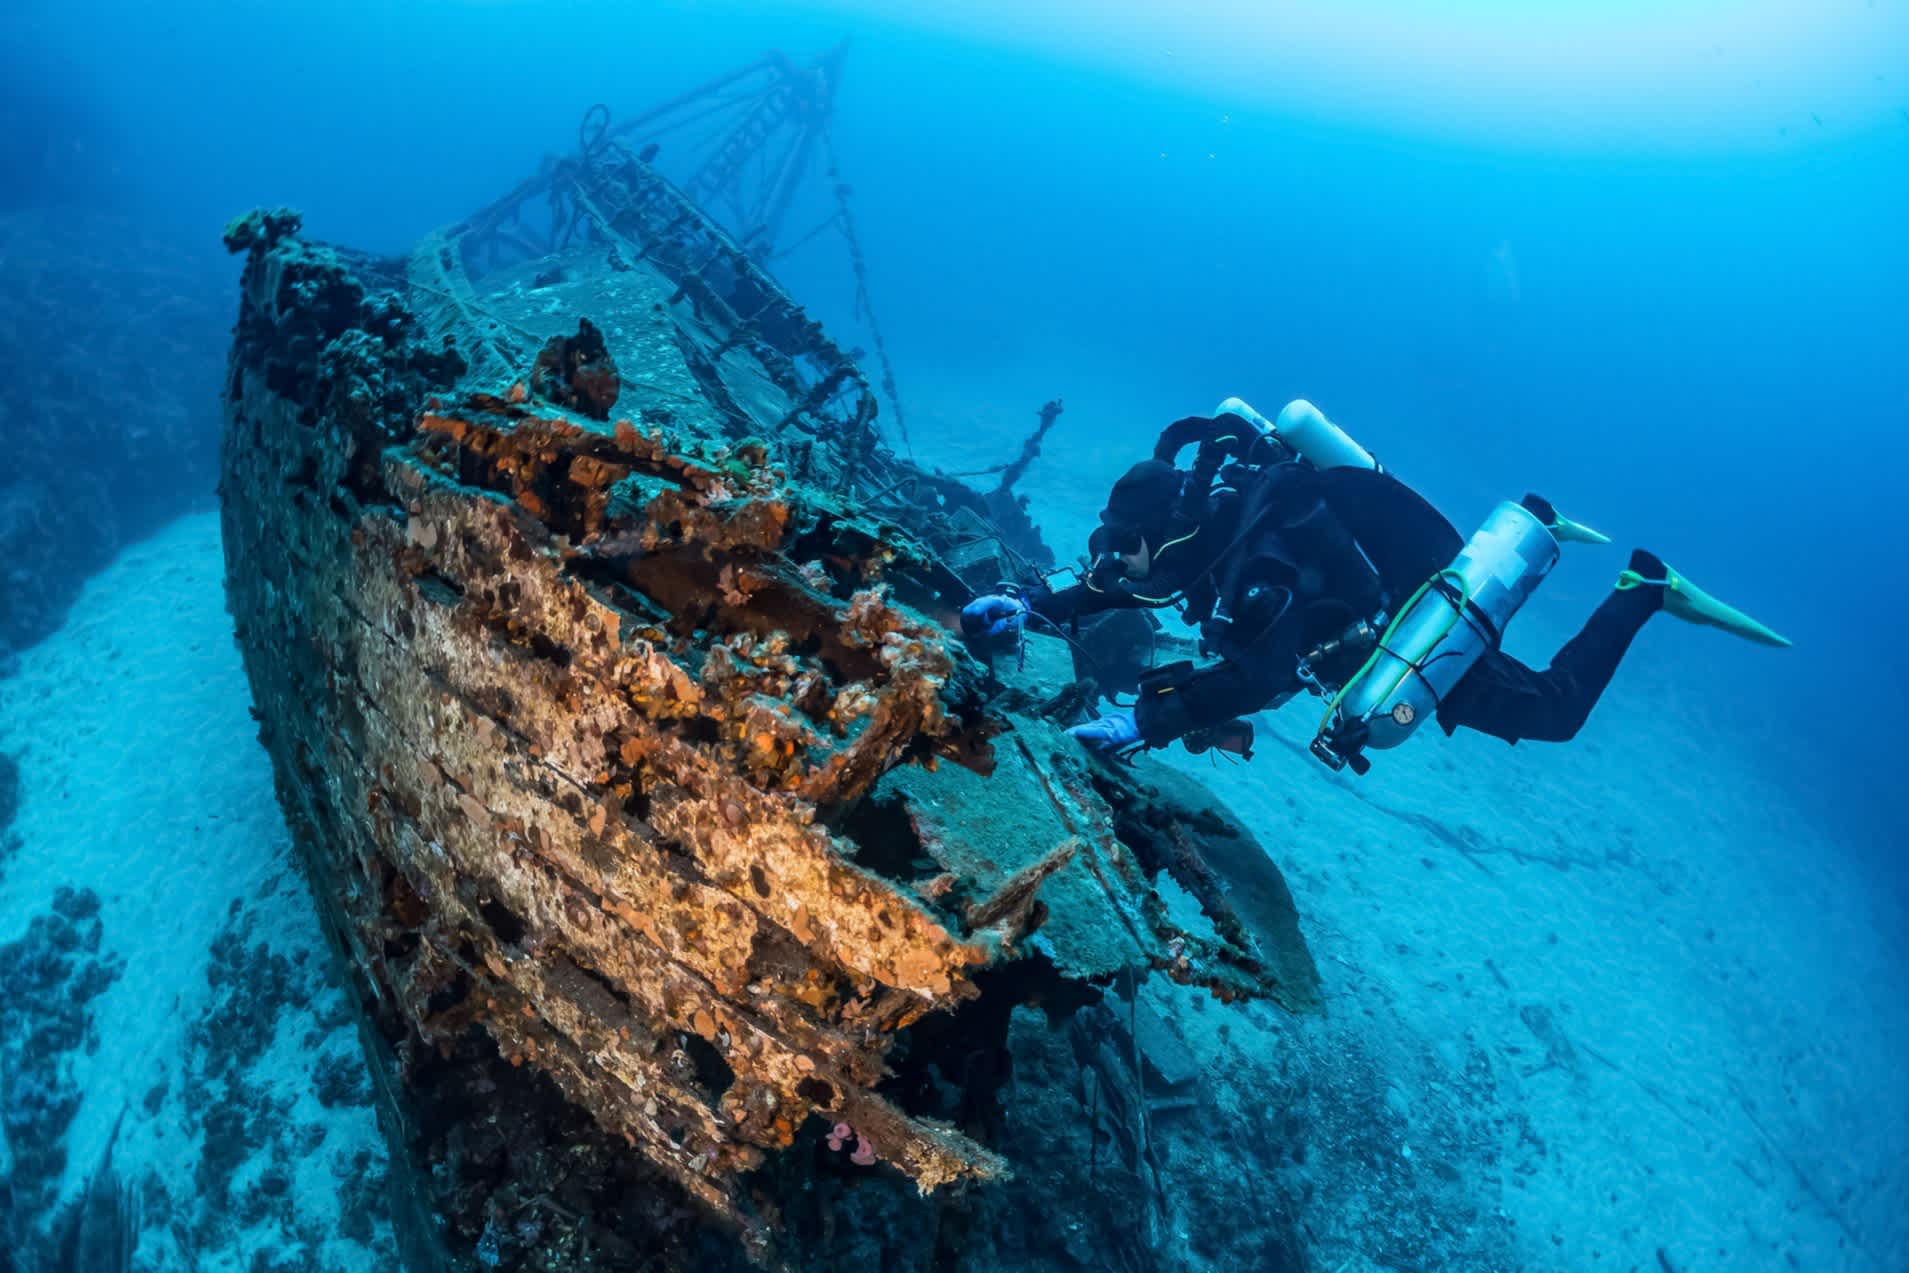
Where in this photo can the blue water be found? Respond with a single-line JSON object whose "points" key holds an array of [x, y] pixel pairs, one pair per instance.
{"points": [[1648, 259], [1650, 263]]}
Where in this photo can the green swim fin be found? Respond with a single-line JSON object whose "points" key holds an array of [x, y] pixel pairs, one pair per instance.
{"points": [[1692, 604], [1566, 531], [1562, 528]]}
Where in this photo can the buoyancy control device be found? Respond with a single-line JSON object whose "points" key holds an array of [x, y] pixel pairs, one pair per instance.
{"points": [[1302, 436]]}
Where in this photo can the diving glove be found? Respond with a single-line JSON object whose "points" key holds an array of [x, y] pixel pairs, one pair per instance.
{"points": [[1111, 735], [992, 616]]}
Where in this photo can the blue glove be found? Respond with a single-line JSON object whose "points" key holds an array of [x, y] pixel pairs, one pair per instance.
{"points": [[1110, 735], [995, 615]]}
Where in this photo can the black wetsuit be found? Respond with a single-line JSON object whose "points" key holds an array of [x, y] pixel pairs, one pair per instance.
{"points": [[1269, 573]]}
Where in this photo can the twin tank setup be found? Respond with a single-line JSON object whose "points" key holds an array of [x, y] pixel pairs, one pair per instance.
{"points": [[1440, 630]]}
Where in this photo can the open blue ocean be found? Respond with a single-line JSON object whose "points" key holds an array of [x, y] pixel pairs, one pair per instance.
{"points": [[1633, 1001]]}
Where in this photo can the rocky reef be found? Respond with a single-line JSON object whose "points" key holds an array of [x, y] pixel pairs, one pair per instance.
{"points": [[696, 884], [47, 980], [9, 806]]}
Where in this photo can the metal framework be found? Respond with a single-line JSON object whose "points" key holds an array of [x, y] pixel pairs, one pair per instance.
{"points": [[753, 135], [744, 145]]}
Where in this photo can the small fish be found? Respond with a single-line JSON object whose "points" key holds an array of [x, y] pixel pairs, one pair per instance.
{"points": [[1817, 118]]}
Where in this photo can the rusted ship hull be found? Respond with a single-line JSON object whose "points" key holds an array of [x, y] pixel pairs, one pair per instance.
{"points": [[644, 792]]}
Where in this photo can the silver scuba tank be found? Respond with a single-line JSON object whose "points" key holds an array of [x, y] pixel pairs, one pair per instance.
{"points": [[1439, 633], [1305, 429]]}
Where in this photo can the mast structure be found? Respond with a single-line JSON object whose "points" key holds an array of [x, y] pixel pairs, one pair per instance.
{"points": [[755, 137]]}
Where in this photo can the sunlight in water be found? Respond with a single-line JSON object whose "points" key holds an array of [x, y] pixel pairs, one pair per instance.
{"points": [[1681, 72]]}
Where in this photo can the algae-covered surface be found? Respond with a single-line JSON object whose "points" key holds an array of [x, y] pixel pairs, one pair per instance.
{"points": [[646, 791]]}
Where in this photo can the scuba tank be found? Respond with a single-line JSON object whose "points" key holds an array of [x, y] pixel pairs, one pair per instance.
{"points": [[1452, 619], [1305, 430]]}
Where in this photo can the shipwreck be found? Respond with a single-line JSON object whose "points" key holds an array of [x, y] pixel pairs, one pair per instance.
{"points": [[677, 850]]}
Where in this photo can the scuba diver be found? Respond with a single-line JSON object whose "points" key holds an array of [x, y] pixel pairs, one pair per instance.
{"points": [[1307, 567]]}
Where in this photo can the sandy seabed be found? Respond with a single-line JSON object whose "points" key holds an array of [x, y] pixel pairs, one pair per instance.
{"points": [[222, 1050], [1686, 994]]}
